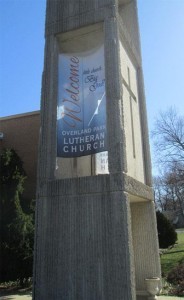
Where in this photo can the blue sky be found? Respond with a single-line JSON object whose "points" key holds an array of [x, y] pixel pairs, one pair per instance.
{"points": [[22, 51], [21, 55], [162, 39]]}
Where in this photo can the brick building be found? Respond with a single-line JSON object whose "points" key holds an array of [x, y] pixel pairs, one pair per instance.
{"points": [[21, 132]]}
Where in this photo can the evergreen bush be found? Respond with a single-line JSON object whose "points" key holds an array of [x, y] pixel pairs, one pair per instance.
{"points": [[167, 235], [17, 229]]}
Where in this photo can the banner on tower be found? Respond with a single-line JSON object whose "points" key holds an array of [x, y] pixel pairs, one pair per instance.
{"points": [[81, 111]]}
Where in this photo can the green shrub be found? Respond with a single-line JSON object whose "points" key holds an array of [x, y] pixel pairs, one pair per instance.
{"points": [[17, 229], [167, 235]]}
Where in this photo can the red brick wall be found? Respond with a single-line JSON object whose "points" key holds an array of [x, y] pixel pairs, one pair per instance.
{"points": [[21, 132]]}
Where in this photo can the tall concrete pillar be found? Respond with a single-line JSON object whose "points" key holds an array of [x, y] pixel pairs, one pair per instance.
{"points": [[87, 221]]}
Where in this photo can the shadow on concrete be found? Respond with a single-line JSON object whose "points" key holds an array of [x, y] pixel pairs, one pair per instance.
{"points": [[174, 252]]}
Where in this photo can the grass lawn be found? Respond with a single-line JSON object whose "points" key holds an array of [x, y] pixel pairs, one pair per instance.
{"points": [[174, 256]]}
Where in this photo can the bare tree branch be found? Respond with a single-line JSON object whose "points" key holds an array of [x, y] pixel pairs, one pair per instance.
{"points": [[168, 137]]}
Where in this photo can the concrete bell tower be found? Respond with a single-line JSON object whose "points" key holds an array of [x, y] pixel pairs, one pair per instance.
{"points": [[96, 232]]}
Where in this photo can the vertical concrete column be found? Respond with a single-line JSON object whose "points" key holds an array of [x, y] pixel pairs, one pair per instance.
{"points": [[144, 128], [47, 149], [83, 247], [116, 140], [145, 242]]}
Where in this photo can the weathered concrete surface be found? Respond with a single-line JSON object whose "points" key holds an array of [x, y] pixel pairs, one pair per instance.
{"points": [[84, 248], [86, 245]]}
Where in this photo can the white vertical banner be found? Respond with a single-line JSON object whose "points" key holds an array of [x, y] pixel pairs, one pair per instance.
{"points": [[81, 112], [101, 163]]}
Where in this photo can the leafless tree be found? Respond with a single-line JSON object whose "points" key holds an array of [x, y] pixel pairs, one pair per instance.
{"points": [[159, 194], [168, 137], [169, 189]]}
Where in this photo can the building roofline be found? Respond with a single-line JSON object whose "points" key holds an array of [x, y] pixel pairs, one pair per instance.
{"points": [[36, 112]]}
